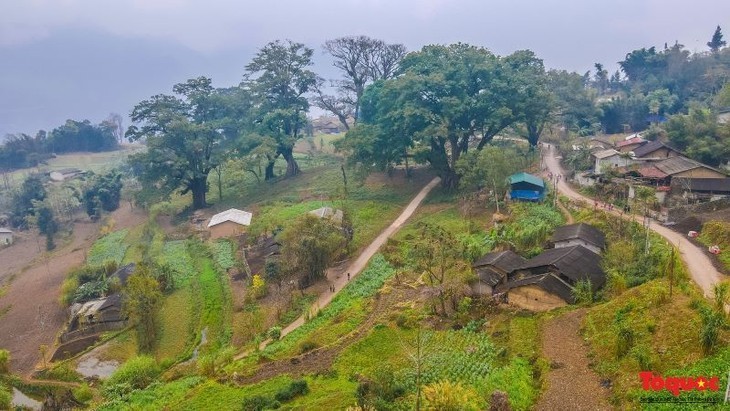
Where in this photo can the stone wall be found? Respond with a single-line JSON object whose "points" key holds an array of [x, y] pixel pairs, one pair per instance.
{"points": [[677, 214]]}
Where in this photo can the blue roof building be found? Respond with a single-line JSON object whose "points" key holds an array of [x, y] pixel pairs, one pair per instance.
{"points": [[526, 187]]}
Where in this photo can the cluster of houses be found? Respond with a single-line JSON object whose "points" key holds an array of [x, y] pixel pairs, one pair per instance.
{"points": [[548, 280], [656, 164], [233, 222]]}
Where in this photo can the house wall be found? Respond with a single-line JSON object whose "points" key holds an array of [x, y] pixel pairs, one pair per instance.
{"points": [[578, 241], [700, 172], [662, 152], [6, 239], [534, 298], [613, 161], [226, 229]]}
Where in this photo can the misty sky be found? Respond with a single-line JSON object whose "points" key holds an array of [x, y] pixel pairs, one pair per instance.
{"points": [[81, 59]]}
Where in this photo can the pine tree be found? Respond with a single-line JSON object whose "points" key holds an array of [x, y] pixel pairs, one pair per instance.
{"points": [[717, 42]]}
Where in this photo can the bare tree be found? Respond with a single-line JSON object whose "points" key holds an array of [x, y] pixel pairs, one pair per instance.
{"points": [[116, 121], [361, 61]]}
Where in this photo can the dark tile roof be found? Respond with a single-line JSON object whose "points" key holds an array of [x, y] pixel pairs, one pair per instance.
{"points": [[114, 300], [582, 231], [577, 263], [124, 273], [505, 260], [548, 282], [649, 148], [716, 185]]}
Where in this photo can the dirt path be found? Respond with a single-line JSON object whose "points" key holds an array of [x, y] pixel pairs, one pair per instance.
{"points": [[34, 315], [571, 384], [339, 278], [699, 265]]}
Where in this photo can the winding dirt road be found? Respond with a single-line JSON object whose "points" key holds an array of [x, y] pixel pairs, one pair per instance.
{"points": [[699, 265], [340, 280]]}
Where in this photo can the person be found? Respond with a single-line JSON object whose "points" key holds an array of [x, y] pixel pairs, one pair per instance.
{"points": [[348, 276]]}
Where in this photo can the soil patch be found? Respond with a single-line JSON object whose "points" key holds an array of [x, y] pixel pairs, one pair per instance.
{"points": [[35, 315], [571, 384]]}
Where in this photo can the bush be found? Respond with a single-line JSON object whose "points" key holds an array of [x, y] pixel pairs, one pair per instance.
{"points": [[4, 361], [274, 333], [137, 373], [83, 394], [259, 403], [307, 346], [6, 398], [295, 389]]}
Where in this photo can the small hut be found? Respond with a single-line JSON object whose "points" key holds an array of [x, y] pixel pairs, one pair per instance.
{"points": [[526, 187]]}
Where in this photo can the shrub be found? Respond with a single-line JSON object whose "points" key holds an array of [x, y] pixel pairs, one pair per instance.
{"points": [[83, 394], [307, 346], [274, 333], [4, 361], [583, 292], [294, 389], [259, 403], [448, 396], [642, 355], [712, 321], [137, 373], [6, 398]]}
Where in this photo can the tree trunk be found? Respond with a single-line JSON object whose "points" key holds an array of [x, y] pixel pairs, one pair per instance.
{"points": [[199, 187], [269, 170], [292, 168]]}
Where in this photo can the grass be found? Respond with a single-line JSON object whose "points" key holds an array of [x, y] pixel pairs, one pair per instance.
{"points": [[718, 233], [176, 255], [214, 304], [177, 328], [341, 316], [96, 162], [665, 333], [111, 247]]}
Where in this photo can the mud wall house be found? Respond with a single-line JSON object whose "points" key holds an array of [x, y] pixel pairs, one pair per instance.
{"points": [[6, 236], [102, 311], [680, 166], [630, 144], [229, 223], [492, 270], [700, 189], [548, 280], [526, 187], [654, 150], [579, 234]]}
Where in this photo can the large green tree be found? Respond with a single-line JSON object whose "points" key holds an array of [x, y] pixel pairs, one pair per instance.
{"points": [[280, 80], [142, 301], [716, 43], [445, 101], [532, 101], [184, 136], [310, 245]]}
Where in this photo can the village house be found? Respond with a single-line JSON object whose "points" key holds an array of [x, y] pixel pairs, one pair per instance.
{"points": [[492, 269], [701, 189], [630, 144], [654, 150], [678, 167], [6, 236], [107, 311], [548, 280], [579, 234], [526, 187], [609, 159], [229, 223]]}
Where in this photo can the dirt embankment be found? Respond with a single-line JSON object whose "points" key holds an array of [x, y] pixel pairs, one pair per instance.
{"points": [[33, 315]]}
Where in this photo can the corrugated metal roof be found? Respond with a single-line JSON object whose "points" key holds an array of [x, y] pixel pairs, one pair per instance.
{"points": [[6, 230], [235, 215], [328, 213], [527, 178], [679, 164], [650, 147]]}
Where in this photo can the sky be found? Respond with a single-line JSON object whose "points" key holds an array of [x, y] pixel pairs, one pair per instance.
{"points": [[83, 59]]}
